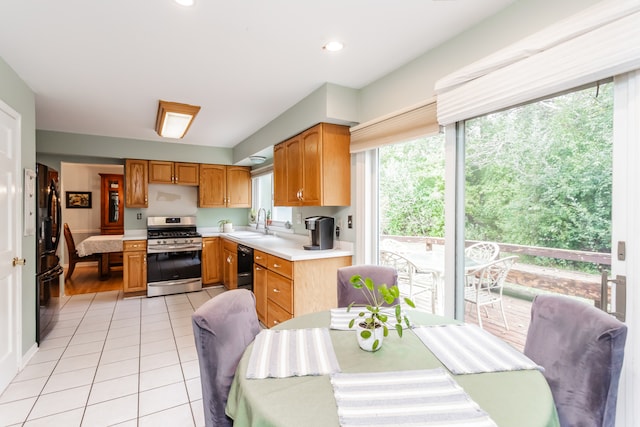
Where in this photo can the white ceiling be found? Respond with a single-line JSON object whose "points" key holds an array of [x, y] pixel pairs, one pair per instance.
{"points": [[100, 67]]}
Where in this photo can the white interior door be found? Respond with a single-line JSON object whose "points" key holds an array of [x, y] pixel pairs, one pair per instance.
{"points": [[10, 244]]}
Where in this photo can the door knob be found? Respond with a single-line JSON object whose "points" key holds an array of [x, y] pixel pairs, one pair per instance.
{"points": [[19, 261]]}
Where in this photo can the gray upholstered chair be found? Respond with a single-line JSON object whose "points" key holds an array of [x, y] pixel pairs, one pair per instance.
{"points": [[581, 350], [223, 328], [378, 273]]}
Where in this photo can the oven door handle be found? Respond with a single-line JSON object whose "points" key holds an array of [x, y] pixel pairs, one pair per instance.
{"points": [[173, 248]]}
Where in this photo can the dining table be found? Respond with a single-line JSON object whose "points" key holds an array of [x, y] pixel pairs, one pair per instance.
{"points": [[519, 397], [102, 244]]}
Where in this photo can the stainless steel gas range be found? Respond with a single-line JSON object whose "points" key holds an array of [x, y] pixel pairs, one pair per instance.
{"points": [[174, 252]]}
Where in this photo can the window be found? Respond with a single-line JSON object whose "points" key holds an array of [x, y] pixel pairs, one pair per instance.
{"points": [[262, 197]]}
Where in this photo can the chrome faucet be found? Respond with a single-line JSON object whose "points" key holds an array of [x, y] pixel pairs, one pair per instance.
{"points": [[266, 228]]}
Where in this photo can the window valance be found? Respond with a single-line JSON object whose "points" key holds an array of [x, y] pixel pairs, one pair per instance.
{"points": [[410, 123], [595, 44]]}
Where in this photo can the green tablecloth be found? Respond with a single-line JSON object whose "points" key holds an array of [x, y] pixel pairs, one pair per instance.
{"points": [[517, 398]]}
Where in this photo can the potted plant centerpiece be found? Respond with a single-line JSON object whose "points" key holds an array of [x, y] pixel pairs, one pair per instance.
{"points": [[372, 322], [226, 226]]}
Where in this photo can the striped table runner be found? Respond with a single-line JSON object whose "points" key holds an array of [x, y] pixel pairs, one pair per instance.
{"points": [[340, 318], [468, 349], [408, 398], [292, 353]]}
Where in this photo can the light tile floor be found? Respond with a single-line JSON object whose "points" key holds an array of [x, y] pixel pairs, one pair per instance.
{"points": [[113, 361]]}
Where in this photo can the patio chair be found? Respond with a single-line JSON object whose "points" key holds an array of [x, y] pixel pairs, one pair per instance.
{"points": [[347, 294], [486, 288], [411, 282], [73, 257], [482, 252], [581, 350], [223, 327]]}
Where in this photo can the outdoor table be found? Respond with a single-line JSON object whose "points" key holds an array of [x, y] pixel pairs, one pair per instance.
{"points": [[512, 398], [103, 245]]}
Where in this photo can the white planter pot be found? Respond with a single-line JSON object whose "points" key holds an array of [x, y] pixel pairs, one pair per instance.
{"points": [[368, 343], [227, 228]]}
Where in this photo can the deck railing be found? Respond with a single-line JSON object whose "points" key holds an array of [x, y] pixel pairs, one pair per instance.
{"points": [[566, 282]]}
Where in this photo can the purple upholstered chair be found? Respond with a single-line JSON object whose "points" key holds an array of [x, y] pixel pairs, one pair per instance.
{"points": [[581, 350], [223, 328], [378, 273]]}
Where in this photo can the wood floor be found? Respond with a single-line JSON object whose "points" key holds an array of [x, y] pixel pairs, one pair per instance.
{"points": [[85, 279]]}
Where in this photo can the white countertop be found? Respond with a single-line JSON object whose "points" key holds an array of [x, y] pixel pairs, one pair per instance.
{"points": [[135, 235], [287, 246]]}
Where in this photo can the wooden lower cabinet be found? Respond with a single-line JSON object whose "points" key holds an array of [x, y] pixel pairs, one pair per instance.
{"points": [[230, 264], [134, 266], [260, 284], [285, 289], [211, 261]]}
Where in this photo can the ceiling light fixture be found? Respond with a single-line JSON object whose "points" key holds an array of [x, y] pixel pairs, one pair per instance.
{"points": [[174, 119], [257, 160], [333, 46]]}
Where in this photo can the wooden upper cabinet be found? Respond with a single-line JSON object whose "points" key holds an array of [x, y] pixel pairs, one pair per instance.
{"points": [[224, 186], [213, 186], [162, 172], [316, 167], [136, 183], [280, 175], [294, 170], [186, 173], [238, 187]]}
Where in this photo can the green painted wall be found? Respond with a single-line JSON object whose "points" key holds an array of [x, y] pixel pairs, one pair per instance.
{"points": [[15, 93], [76, 146]]}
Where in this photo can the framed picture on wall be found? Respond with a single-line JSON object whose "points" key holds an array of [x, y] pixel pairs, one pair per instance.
{"points": [[78, 199]]}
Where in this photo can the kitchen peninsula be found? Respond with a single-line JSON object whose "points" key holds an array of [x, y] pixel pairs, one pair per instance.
{"points": [[288, 280]]}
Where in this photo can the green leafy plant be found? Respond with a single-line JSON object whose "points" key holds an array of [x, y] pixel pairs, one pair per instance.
{"points": [[222, 222], [372, 314]]}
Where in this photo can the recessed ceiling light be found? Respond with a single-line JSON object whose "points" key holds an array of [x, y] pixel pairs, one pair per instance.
{"points": [[333, 46], [187, 3]]}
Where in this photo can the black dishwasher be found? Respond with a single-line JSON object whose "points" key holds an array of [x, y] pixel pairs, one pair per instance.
{"points": [[245, 267]]}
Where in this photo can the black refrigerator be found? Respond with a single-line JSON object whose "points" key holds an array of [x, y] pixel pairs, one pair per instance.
{"points": [[48, 268]]}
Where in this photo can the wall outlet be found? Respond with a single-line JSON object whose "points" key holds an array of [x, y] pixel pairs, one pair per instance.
{"points": [[298, 218], [139, 216]]}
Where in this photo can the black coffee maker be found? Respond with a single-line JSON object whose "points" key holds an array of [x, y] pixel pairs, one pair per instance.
{"points": [[321, 230]]}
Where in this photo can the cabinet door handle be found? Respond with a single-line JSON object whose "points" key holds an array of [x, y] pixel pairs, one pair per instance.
{"points": [[277, 291], [258, 257], [144, 259], [275, 322], [258, 269], [276, 266], [229, 259]]}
